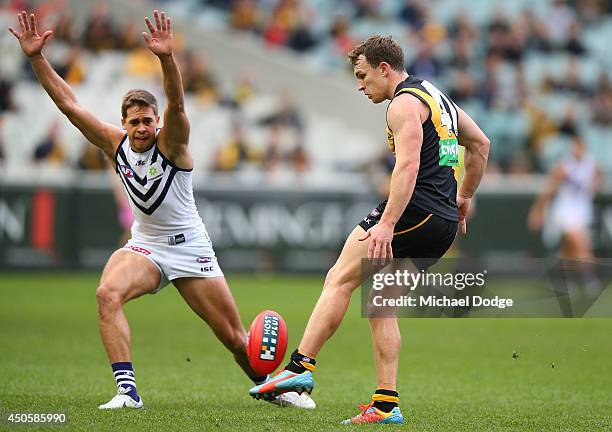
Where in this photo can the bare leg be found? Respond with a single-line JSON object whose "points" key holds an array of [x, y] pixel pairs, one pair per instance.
{"points": [[212, 300], [339, 285], [386, 341], [127, 275]]}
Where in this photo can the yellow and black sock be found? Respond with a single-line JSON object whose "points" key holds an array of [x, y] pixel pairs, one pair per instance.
{"points": [[300, 363], [385, 400]]}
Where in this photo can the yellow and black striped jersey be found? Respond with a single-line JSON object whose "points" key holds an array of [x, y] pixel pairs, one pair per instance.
{"points": [[436, 186]]}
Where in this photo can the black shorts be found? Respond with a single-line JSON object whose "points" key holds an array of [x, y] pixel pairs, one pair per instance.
{"points": [[422, 236]]}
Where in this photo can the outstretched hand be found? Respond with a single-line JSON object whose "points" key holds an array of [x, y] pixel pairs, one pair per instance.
{"points": [[160, 39], [31, 42]]}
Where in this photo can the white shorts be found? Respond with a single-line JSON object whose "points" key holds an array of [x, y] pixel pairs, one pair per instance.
{"points": [[187, 254]]}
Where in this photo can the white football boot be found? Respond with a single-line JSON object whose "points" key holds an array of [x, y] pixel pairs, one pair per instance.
{"points": [[122, 400], [295, 400]]}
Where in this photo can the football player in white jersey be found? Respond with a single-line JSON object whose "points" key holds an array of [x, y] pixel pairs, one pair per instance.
{"points": [[564, 208], [169, 241]]}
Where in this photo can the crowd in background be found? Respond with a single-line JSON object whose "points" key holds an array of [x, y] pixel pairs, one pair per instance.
{"points": [[283, 123], [482, 66]]}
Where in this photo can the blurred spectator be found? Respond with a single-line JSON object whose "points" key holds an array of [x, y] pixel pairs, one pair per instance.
{"points": [[92, 158], [234, 152], [299, 160], [283, 23], [244, 15], [198, 78], [488, 91], [129, 37], [286, 114], [273, 158], [368, 9], [504, 40], [341, 39], [602, 109], [142, 64], [571, 80], [569, 125], [72, 69], [574, 44], [63, 28], [463, 87], [461, 27], [302, 38], [559, 20], [413, 13], [50, 149], [243, 89], [6, 95], [462, 54], [541, 126], [19, 5], [99, 31], [535, 31], [1, 139], [425, 65]]}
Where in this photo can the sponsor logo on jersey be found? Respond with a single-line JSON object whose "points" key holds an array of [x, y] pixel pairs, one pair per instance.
{"points": [[126, 171], [270, 338], [140, 162], [203, 259], [138, 249]]}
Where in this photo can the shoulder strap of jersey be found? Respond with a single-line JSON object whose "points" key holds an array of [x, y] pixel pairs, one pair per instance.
{"points": [[117, 152]]}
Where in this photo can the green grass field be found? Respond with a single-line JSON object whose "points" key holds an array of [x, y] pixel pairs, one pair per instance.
{"points": [[455, 375]]}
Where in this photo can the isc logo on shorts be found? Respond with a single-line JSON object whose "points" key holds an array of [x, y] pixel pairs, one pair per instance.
{"points": [[270, 338]]}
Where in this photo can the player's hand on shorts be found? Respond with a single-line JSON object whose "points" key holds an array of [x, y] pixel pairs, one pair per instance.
{"points": [[31, 42], [381, 236], [463, 209], [159, 40]]}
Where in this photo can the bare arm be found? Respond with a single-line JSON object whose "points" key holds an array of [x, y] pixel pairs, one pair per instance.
{"points": [[103, 135], [405, 120], [476, 154], [535, 219], [476, 146], [174, 136]]}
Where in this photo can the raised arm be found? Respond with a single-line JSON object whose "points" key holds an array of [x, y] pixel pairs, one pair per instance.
{"points": [[174, 136], [103, 135], [476, 146]]}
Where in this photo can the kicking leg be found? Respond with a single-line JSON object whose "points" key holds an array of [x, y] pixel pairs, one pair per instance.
{"points": [[325, 319], [212, 300], [343, 278]]}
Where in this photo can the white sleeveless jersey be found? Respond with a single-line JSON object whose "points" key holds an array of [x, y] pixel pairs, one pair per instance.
{"points": [[577, 188], [160, 194], [572, 206]]}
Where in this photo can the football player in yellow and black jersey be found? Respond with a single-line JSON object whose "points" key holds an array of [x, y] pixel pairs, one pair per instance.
{"points": [[419, 220]]}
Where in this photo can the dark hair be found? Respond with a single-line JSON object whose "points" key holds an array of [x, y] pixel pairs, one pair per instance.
{"points": [[138, 97], [377, 49]]}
